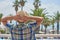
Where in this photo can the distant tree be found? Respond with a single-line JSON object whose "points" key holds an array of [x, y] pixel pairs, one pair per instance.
{"points": [[36, 4], [38, 12], [16, 5], [57, 18], [46, 23], [22, 3], [1, 15], [52, 23], [2, 31]]}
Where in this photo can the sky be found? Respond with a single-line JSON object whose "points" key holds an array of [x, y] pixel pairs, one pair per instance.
{"points": [[52, 6]]}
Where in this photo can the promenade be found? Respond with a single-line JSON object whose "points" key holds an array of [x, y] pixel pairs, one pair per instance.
{"points": [[37, 35]]}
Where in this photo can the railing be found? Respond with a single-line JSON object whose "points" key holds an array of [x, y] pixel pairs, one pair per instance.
{"points": [[37, 35], [5, 35], [47, 35]]}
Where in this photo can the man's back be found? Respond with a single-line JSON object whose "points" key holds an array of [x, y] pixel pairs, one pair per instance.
{"points": [[22, 32]]}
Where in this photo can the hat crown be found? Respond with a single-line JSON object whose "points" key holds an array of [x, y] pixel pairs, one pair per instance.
{"points": [[22, 13]]}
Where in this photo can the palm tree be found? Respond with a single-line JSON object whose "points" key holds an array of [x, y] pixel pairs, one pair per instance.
{"points": [[36, 4], [22, 3], [38, 12], [0, 17], [16, 5], [46, 23], [57, 18], [52, 22], [42, 24]]}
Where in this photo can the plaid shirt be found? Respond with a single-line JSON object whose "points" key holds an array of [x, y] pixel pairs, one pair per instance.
{"points": [[22, 31]]}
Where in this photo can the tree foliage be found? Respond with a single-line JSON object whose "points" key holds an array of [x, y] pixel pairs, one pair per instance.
{"points": [[1, 15], [16, 5], [36, 4]]}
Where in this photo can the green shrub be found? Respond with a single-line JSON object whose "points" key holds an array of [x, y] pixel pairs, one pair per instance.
{"points": [[2, 31]]}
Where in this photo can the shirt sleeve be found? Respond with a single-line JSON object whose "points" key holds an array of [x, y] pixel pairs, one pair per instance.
{"points": [[33, 25], [8, 25]]}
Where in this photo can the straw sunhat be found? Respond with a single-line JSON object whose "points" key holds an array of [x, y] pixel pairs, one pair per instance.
{"points": [[22, 13]]}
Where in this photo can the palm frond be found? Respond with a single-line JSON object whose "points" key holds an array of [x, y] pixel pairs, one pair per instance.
{"points": [[1, 15]]}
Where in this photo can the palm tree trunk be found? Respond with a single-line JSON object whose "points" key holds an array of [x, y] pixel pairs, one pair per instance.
{"points": [[45, 29], [57, 27], [42, 27], [16, 22], [38, 29], [0, 23], [21, 8], [53, 29]]}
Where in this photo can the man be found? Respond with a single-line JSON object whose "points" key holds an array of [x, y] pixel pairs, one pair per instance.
{"points": [[23, 32]]}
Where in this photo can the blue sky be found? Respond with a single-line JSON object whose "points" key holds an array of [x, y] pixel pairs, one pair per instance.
{"points": [[51, 6]]}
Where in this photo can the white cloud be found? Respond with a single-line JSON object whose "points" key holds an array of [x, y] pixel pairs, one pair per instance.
{"points": [[51, 8], [6, 7]]}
